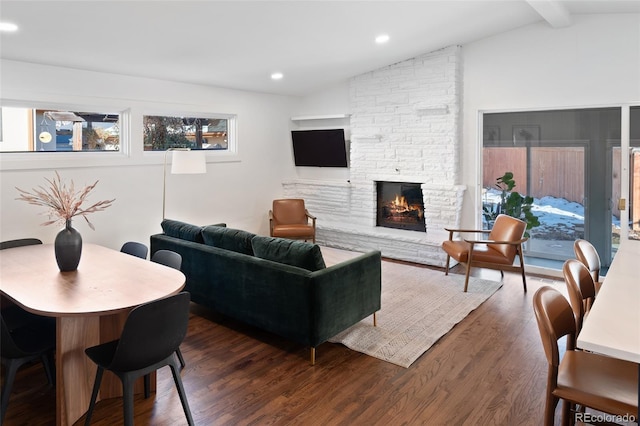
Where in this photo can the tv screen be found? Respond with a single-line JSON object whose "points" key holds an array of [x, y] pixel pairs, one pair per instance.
{"points": [[319, 148]]}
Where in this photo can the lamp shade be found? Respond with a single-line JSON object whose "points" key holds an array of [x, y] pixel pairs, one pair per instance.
{"points": [[188, 162]]}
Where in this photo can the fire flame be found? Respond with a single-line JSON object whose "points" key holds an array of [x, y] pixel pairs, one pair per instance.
{"points": [[400, 204]]}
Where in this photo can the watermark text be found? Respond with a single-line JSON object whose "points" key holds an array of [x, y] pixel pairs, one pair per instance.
{"points": [[602, 417]]}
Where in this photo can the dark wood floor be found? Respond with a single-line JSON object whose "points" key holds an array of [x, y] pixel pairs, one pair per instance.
{"points": [[489, 370]]}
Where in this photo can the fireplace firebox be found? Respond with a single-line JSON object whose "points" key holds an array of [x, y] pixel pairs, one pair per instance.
{"points": [[400, 205]]}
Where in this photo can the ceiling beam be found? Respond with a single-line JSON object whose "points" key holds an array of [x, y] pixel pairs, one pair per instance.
{"points": [[552, 11]]}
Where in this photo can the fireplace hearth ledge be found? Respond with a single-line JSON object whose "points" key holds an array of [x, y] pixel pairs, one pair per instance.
{"points": [[411, 246]]}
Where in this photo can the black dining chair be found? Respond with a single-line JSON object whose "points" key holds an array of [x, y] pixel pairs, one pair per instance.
{"points": [[19, 243], [168, 258], [151, 335], [172, 260], [135, 248], [22, 345]]}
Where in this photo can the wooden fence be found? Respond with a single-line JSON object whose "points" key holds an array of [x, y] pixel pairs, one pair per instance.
{"points": [[557, 172]]}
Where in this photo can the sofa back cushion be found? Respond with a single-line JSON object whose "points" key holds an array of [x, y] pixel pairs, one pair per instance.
{"points": [[290, 252], [182, 230], [228, 238]]}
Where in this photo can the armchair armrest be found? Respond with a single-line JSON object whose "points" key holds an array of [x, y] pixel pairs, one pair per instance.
{"points": [[310, 216], [486, 231], [452, 230], [520, 241], [270, 222]]}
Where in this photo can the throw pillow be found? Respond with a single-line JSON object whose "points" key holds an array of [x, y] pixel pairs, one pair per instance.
{"points": [[228, 239], [290, 252], [182, 230]]}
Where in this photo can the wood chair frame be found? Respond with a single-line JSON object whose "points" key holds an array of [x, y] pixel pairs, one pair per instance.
{"points": [[488, 265]]}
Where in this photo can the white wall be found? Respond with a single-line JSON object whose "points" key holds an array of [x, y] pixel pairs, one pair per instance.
{"points": [[595, 61], [238, 192]]}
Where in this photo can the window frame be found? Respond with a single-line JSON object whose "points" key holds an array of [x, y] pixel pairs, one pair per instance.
{"points": [[67, 159], [232, 139], [131, 151]]}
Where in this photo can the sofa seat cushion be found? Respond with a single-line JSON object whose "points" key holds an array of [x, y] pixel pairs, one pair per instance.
{"points": [[228, 238], [182, 230], [295, 253]]}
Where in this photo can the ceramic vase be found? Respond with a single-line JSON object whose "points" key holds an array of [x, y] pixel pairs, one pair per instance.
{"points": [[68, 248]]}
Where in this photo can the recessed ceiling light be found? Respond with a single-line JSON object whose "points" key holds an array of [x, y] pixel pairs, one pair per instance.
{"points": [[382, 38], [8, 27], [277, 76]]}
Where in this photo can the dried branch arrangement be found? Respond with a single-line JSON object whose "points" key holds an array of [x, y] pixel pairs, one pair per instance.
{"points": [[62, 201]]}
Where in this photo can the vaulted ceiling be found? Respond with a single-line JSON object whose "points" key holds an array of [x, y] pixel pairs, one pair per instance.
{"points": [[239, 44]]}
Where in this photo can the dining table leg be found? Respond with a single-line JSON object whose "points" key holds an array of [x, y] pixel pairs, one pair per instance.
{"points": [[75, 372]]}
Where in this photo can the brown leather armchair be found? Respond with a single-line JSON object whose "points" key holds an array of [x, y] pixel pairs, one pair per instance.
{"points": [[289, 218], [498, 251]]}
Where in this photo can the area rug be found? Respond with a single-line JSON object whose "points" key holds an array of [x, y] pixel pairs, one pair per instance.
{"points": [[419, 306]]}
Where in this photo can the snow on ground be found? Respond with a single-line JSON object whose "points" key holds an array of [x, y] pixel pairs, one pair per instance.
{"points": [[559, 218]]}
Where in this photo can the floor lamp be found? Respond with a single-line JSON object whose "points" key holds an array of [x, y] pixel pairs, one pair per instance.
{"points": [[183, 161]]}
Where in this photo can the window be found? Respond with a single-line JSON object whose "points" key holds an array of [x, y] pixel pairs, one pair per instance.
{"points": [[165, 132], [52, 130]]}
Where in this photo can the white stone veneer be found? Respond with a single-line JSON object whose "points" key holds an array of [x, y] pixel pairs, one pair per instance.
{"points": [[405, 127]]}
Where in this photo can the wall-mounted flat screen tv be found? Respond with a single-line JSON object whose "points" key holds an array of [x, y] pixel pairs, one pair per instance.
{"points": [[319, 148]]}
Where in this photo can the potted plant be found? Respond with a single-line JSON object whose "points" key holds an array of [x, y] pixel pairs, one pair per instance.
{"points": [[514, 204]]}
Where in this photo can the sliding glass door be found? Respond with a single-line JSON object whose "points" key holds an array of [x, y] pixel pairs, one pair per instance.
{"points": [[570, 162]]}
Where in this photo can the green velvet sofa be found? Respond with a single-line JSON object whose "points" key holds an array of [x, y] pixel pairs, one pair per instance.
{"points": [[281, 286]]}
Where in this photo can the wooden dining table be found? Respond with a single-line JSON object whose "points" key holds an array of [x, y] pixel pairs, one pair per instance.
{"points": [[90, 306], [613, 325]]}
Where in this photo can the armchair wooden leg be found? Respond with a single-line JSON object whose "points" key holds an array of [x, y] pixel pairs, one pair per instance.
{"points": [[524, 279], [446, 271], [313, 356], [375, 320], [469, 262], [466, 279]]}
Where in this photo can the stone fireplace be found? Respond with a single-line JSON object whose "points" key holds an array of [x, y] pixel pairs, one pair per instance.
{"points": [[400, 205], [404, 126]]}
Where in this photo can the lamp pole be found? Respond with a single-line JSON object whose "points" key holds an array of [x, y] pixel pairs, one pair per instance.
{"points": [[164, 178], [182, 163]]}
